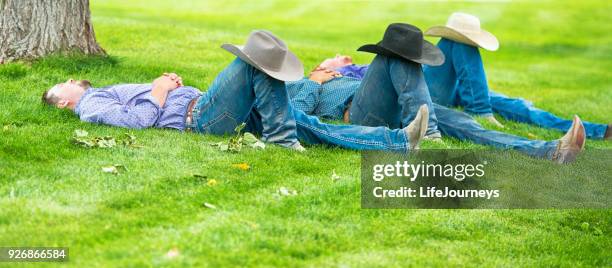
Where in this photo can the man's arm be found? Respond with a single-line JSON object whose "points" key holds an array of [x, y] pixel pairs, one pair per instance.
{"points": [[104, 108], [304, 95], [163, 84]]}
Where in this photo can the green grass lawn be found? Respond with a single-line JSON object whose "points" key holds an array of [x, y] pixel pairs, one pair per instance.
{"points": [[53, 193]]}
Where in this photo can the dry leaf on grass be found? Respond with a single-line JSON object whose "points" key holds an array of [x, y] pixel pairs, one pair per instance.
{"points": [[209, 205], [82, 138], [173, 253], [242, 166], [284, 191], [334, 176], [115, 169], [235, 143]]}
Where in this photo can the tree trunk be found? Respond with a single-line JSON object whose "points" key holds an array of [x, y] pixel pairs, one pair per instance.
{"points": [[34, 28]]}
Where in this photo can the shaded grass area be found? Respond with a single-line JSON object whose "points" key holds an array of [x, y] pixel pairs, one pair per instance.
{"points": [[52, 193]]}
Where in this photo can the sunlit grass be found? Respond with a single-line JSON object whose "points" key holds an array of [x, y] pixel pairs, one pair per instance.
{"points": [[53, 193]]}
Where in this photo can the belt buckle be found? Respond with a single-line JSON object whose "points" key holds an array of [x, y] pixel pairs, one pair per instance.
{"points": [[189, 118]]}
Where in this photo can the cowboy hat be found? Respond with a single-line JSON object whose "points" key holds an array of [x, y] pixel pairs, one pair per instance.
{"points": [[406, 41], [270, 55], [465, 28]]}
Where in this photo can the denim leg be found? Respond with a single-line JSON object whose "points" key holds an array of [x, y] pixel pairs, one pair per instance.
{"points": [[390, 95], [463, 127], [442, 80], [312, 131], [523, 111], [472, 86], [461, 80], [238, 90]]}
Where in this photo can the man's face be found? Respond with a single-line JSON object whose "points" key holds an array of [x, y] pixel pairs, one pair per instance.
{"points": [[337, 62], [69, 92]]}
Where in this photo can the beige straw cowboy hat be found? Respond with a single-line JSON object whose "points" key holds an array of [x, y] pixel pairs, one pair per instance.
{"points": [[266, 52], [465, 28]]}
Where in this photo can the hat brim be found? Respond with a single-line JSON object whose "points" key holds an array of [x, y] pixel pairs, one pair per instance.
{"points": [[431, 54], [291, 68], [483, 39]]}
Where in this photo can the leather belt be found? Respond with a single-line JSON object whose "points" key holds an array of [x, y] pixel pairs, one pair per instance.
{"points": [[189, 115]]}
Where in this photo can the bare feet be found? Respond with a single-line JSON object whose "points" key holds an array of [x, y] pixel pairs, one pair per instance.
{"points": [[571, 144], [417, 128]]}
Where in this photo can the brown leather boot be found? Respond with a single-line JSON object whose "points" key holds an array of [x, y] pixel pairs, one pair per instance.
{"points": [[571, 144]]}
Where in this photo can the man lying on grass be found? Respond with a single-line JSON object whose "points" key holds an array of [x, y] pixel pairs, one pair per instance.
{"points": [[383, 93], [461, 80], [251, 89]]}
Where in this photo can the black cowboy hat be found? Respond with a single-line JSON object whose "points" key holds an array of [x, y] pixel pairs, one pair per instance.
{"points": [[406, 41]]}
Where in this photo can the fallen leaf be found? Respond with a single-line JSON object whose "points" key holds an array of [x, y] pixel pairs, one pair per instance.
{"points": [[259, 145], [106, 142], [242, 166], [81, 137], [173, 253], [224, 147], [211, 182], [208, 205], [252, 141], [236, 142], [128, 139], [249, 138], [79, 133], [284, 191], [114, 169], [334, 176]]}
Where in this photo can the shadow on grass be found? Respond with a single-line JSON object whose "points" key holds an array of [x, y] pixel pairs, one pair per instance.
{"points": [[13, 70], [75, 62]]}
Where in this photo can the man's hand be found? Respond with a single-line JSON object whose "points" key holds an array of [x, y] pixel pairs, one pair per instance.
{"points": [[168, 81], [163, 84], [322, 75]]}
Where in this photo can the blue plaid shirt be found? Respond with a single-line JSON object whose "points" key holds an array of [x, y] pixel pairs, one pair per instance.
{"points": [[133, 106], [328, 100]]}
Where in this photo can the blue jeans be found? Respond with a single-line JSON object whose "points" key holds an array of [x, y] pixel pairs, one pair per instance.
{"points": [[390, 95], [371, 108], [241, 93], [461, 81], [523, 111], [462, 126]]}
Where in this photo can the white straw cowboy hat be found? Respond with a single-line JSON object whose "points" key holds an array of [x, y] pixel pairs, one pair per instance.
{"points": [[465, 28], [270, 55]]}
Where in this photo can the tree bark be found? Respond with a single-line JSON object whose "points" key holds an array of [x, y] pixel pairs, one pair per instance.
{"points": [[31, 29]]}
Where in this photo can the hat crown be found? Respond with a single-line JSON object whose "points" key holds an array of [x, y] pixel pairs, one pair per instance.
{"points": [[464, 22], [266, 49], [404, 38]]}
